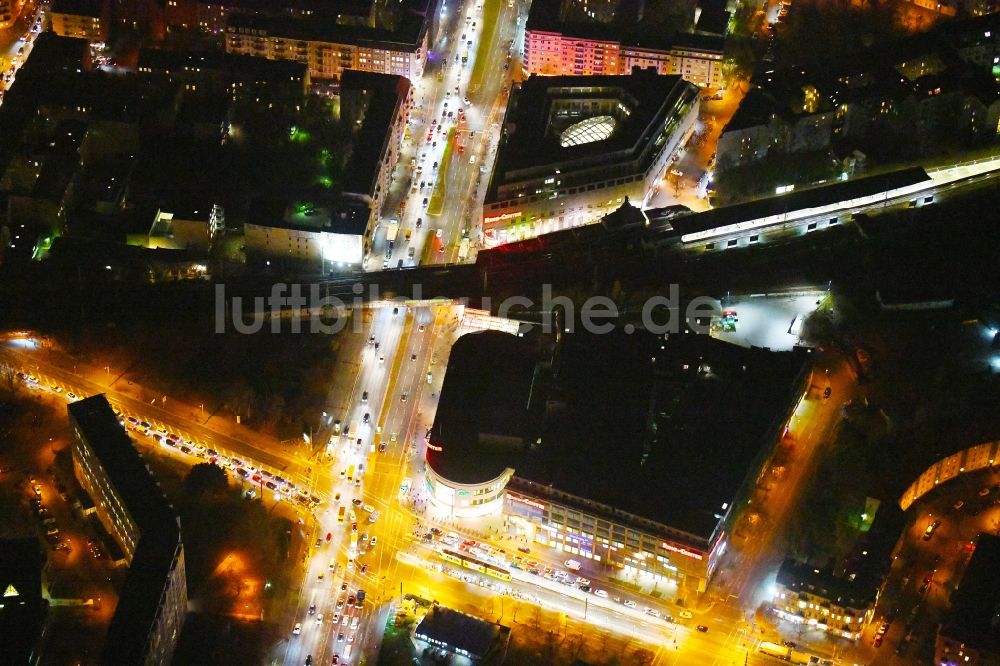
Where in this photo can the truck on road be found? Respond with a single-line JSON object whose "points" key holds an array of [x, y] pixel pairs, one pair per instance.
{"points": [[775, 650]]}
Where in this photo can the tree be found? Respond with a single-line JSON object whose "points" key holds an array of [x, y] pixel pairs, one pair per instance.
{"points": [[206, 479]]}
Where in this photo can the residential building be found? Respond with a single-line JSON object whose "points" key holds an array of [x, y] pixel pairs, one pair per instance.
{"points": [[842, 600], [190, 227], [238, 77], [814, 596], [376, 107], [152, 602], [23, 607], [462, 634], [85, 19], [558, 43], [923, 92], [336, 231], [574, 147], [211, 16], [328, 48], [325, 235], [970, 632], [10, 10]]}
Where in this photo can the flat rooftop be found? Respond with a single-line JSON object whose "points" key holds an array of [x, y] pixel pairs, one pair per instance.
{"points": [[975, 605], [804, 577], [339, 215], [139, 598], [378, 101], [168, 62], [472, 636], [666, 430], [407, 36], [543, 109]]}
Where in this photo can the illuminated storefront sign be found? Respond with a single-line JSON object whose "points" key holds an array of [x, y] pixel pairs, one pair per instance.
{"points": [[683, 551], [501, 218], [524, 500]]}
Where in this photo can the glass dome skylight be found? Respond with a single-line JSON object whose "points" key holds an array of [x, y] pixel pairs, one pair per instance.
{"points": [[597, 128]]}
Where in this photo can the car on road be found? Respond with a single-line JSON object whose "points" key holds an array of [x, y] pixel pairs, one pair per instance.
{"points": [[601, 593], [929, 532], [652, 612], [372, 518], [297, 629], [312, 609], [364, 396], [983, 492], [702, 628], [572, 565], [685, 615], [368, 508], [402, 398], [340, 637], [958, 505]]}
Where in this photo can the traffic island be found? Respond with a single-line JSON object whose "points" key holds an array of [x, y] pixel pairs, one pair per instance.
{"points": [[491, 20], [436, 204]]}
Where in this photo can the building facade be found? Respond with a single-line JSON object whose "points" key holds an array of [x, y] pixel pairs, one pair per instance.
{"points": [[10, 10], [329, 52], [809, 595], [152, 602], [466, 500], [969, 633], [564, 182], [696, 58], [378, 107], [613, 538], [79, 18]]}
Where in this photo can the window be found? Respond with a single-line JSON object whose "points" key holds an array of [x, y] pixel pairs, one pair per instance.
{"points": [[811, 227], [731, 242], [754, 238]]}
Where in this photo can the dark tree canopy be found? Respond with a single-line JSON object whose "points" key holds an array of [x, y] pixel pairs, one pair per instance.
{"points": [[206, 478]]}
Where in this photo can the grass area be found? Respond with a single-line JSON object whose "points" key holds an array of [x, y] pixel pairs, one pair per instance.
{"points": [[397, 649], [491, 19], [436, 204]]}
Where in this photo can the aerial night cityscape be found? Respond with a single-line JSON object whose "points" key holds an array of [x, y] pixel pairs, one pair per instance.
{"points": [[500, 332]]}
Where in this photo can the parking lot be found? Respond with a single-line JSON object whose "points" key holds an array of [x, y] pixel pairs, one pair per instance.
{"points": [[773, 322]]}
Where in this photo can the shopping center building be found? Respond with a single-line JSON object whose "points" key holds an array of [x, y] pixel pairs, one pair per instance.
{"points": [[628, 450], [574, 147]]}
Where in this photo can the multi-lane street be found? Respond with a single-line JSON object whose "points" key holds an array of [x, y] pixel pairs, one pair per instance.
{"points": [[16, 42], [445, 103]]}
